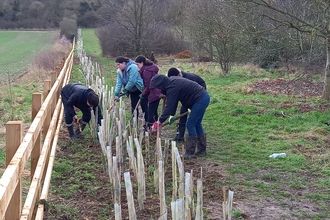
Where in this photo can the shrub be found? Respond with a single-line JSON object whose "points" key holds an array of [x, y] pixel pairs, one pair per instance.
{"points": [[68, 28]]}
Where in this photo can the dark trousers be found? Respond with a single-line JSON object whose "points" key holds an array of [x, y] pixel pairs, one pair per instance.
{"points": [[183, 119], [153, 111], [134, 96]]}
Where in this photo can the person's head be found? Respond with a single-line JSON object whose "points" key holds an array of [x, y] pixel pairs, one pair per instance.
{"points": [[121, 62], [159, 81], [92, 99], [174, 72], [142, 60]]}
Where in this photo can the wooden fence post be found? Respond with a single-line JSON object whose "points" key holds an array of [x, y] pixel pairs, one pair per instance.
{"points": [[35, 153], [14, 137]]}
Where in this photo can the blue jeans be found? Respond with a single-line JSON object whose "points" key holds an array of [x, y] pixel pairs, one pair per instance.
{"points": [[194, 122]]}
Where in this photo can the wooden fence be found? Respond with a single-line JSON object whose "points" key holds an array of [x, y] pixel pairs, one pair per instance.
{"points": [[38, 147]]}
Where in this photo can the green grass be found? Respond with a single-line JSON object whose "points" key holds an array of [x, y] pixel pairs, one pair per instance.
{"points": [[92, 48], [17, 102], [19, 48], [91, 43]]}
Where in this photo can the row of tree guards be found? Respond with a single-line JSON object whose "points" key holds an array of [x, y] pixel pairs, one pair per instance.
{"points": [[128, 154]]}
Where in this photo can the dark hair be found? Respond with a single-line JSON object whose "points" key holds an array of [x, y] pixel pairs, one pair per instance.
{"points": [[122, 59], [93, 99], [173, 72], [144, 60]]}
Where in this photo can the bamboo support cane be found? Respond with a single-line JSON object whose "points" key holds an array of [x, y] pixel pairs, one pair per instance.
{"points": [[224, 203]]}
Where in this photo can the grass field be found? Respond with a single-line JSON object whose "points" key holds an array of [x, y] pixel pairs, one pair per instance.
{"points": [[19, 48], [18, 77]]}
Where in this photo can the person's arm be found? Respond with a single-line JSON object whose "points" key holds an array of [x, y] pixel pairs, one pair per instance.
{"points": [[69, 106], [133, 77], [170, 106], [146, 81], [119, 83], [99, 114]]}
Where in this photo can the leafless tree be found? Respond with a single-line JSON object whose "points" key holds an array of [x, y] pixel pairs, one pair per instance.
{"points": [[134, 26], [213, 28], [175, 17]]}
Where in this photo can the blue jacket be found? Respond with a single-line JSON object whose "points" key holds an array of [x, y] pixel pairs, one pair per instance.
{"points": [[130, 78]]}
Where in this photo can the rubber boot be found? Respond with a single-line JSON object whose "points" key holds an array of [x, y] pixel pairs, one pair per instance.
{"points": [[71, 133], [190, 147], [201, 145], [180, 132]]}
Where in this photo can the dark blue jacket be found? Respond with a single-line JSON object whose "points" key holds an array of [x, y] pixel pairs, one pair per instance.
{"points": [[76, 94], [177, 89], [194, 78]]}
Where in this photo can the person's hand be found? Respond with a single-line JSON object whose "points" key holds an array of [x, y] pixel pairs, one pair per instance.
{"points": [[116, 97], [122, 93], [170, 119], [155, 126], [141, 96], [162, 96]]}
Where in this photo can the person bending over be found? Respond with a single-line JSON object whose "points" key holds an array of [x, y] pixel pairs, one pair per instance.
{"points": [[83, 98], [193, 97], [181, 126]]}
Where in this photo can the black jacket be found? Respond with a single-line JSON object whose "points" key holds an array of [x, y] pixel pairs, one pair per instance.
{"points": [[194, 78], [177, 89], [76, 95]]}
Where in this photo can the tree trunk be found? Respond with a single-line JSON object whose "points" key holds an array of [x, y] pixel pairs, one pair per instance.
{"points": [[224, 68], [326, 87]]}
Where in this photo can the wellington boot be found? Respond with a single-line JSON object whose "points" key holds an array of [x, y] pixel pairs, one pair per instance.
{"points": [[180, 133], [71, 133], [190, 147], [201, 145]]}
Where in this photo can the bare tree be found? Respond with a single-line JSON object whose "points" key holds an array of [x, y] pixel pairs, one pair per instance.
{"points": [[175, 17], [213, 29], [309, 17], [135, 27]]}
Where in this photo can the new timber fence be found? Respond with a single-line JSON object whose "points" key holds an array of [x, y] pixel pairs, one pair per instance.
{"points": [[38, 147]]}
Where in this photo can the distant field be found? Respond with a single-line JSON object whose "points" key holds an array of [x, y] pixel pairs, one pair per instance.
{"points": [[19, 48]]}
